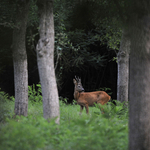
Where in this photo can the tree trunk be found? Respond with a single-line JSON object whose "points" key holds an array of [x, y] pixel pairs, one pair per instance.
{"points": [[20, 60], [123, 68], [139, 94], [45, 59]]}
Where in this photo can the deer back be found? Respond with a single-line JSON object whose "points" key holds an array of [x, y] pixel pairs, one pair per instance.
{"points": [[93, 97]]}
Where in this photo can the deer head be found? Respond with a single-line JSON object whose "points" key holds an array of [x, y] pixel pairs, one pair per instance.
{"points": [[78, 84]]}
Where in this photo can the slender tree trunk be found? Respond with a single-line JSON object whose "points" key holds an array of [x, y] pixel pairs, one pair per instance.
{"points": [[45, 59], [20, 60], [139, 94], [123, 68]]}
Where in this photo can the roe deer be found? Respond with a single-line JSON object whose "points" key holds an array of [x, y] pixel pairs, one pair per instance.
{"points": [[86, 99]]}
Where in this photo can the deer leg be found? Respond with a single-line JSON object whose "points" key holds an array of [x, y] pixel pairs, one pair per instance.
{"points": [[87, 108], [81, 109]]}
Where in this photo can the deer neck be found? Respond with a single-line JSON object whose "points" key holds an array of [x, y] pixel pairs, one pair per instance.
{"points": [[77, 94]]}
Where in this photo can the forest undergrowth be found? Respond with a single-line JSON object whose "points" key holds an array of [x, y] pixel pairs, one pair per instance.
{"points": [[108, 131]]}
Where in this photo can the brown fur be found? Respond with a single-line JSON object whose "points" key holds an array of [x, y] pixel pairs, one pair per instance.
{"points": [[86, 99]]}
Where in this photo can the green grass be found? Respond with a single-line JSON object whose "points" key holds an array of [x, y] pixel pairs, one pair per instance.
{"points": [[107, 131]]}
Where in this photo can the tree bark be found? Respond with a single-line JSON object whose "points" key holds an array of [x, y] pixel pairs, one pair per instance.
{"points": [[20, 59], [123, 68], [45, 59], [139, 84]]}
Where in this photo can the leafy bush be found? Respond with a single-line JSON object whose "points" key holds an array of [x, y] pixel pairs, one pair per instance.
{"points": [[35, 94]]}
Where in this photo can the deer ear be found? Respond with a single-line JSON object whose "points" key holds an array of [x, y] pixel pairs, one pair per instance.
{"points": [[74, 81]]}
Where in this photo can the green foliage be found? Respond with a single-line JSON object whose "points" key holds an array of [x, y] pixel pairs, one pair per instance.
{"points": [[103, 131], [35, 94], [6, 106], [7, 13], [33, 18], [120, 110], [113, 37], [83, 37], [21, 135], [107, 90], [76, 45], [73, 42]]}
